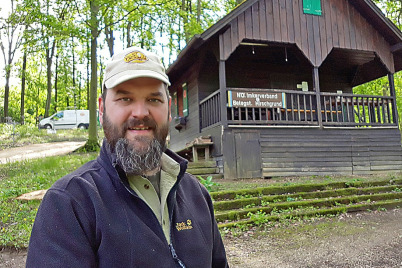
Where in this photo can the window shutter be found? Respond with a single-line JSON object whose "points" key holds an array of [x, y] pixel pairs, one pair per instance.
{"points": [[312, 7], [185, 100], [174, 106]]}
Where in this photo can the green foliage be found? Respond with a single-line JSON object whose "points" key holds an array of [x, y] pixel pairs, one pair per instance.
{"points": [[17, 216], [208, 183], [259, 218]]}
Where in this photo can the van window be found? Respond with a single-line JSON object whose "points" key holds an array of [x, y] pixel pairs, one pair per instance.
{"points": [[58, 116]]}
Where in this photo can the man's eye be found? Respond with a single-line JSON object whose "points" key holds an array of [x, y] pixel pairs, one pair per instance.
{"points": [[155, 100], [125, 99]]}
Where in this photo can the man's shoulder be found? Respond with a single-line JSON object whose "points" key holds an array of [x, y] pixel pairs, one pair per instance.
{"points": [[84, 175]]}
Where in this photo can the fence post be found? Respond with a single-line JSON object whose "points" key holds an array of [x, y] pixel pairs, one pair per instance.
{"points": [[393, 95], [316, 87]]}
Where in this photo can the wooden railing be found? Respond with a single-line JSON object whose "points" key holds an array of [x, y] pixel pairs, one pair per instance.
{"points": [[337, 110], [357, 110], [210, 111], [299, 110]]}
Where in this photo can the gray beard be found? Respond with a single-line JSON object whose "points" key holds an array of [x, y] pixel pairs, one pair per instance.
{"points": [[134, 162]]}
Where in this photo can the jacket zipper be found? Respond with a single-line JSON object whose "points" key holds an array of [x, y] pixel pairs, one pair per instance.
{"points": [[172, 250], [175, 257]]}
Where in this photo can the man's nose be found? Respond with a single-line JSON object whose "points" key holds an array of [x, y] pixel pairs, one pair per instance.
{"points": [[140, 110]]}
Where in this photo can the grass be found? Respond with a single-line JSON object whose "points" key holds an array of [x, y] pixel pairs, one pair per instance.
{"points": [[16, 216], [236, 184]]}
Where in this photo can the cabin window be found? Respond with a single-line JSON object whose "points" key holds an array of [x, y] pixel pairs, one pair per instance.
{"points": [[180, 102], [312, 7]]}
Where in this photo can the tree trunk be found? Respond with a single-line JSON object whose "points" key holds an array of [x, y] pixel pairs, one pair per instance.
{"points": [[129, 34], [88, 80], [56, 77], [74, 90], [92, 142], [49, 61], [185, 20], [199, 10], [7, 92], [24, 67], [109, 40]]}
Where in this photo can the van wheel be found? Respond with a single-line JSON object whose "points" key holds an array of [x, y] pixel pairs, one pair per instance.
{"points": [[82, 126], [47, 126]]}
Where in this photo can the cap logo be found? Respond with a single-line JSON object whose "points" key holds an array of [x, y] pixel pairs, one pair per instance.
{"points": [[135, 56]]}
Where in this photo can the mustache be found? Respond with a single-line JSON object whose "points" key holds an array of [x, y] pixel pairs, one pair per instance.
{"points": [[135, 122]]}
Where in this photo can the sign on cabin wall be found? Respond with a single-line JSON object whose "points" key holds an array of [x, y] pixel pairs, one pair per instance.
{"points": [[259, 99]]}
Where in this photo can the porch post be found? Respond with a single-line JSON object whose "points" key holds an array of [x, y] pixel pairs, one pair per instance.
{"points": [[393, 95], [222, 83], [316, 87]]}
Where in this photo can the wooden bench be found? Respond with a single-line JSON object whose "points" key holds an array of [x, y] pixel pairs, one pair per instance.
{"points": [[195, 147], [201, 146]]}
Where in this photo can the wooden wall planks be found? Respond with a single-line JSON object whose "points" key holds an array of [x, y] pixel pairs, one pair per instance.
{"points": [[340, 26], [329, 151]]}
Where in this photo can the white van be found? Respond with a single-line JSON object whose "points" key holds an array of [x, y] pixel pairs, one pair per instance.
{"points": [[66, 119]]}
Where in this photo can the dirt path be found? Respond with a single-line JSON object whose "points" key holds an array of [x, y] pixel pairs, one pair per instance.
{"points": [[370, 239], [38, 150]]}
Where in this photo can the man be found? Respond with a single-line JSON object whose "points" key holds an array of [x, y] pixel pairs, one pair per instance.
{"points": [[134, 206]]}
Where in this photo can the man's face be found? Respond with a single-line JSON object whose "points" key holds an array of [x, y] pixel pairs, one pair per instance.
{"points": [[138, 114]]}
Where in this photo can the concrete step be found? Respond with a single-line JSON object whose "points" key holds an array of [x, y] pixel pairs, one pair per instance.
{"points": [[387, 204], [202, 171], [202, 164]]}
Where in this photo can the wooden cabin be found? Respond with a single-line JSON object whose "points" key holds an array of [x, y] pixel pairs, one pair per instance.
{"points": [[272, 83]]}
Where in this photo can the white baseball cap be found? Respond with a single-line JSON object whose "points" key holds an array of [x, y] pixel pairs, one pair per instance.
{"points": [[133, 62]]}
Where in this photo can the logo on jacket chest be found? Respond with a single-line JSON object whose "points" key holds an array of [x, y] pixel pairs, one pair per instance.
{"points": [[187, 225]]}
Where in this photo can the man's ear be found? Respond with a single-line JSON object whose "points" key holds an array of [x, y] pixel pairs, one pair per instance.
{"points": [[101, 109], [170, 108]]}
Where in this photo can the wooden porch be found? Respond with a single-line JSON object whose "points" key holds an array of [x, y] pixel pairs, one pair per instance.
{"points": [[303, 108]]}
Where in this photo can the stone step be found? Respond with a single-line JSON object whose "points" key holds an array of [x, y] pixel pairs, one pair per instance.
{"points": [[237, 214], [206, 164], [387, 204], [202, 171], [311, 187], [242, 202], [214, 176]]}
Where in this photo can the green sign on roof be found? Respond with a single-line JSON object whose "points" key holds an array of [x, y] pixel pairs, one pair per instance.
{"points": [[312, 7]]}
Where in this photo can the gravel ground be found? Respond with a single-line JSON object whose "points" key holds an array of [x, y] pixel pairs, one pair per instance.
{"points": [[369, 239]]}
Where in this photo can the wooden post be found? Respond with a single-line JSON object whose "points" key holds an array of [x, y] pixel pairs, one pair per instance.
{"points": [[393, 95], [222, 84], [316, 87]]}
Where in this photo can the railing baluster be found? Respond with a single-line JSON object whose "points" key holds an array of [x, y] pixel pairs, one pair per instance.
{"points": [[325, 108], [330, 109], [378, 110], [311, 109], [389, 112], [336, 108], [358, 110]]}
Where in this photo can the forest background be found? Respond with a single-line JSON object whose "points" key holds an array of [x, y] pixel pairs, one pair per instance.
{"points": [[54, 51]]}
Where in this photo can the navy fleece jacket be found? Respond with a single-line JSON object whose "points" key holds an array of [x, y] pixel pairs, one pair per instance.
{"points": [[92, 218]]}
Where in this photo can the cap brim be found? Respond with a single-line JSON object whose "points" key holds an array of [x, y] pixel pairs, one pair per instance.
{"points": [[129, 74]]}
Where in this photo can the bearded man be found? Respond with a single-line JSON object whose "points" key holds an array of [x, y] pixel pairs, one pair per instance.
{"points": [[134, 206]]}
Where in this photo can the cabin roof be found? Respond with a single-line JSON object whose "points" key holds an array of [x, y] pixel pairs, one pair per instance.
{"points": [[367, 8]]}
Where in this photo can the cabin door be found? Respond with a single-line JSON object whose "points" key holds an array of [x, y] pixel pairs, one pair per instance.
{"points": [[248, 154]]}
